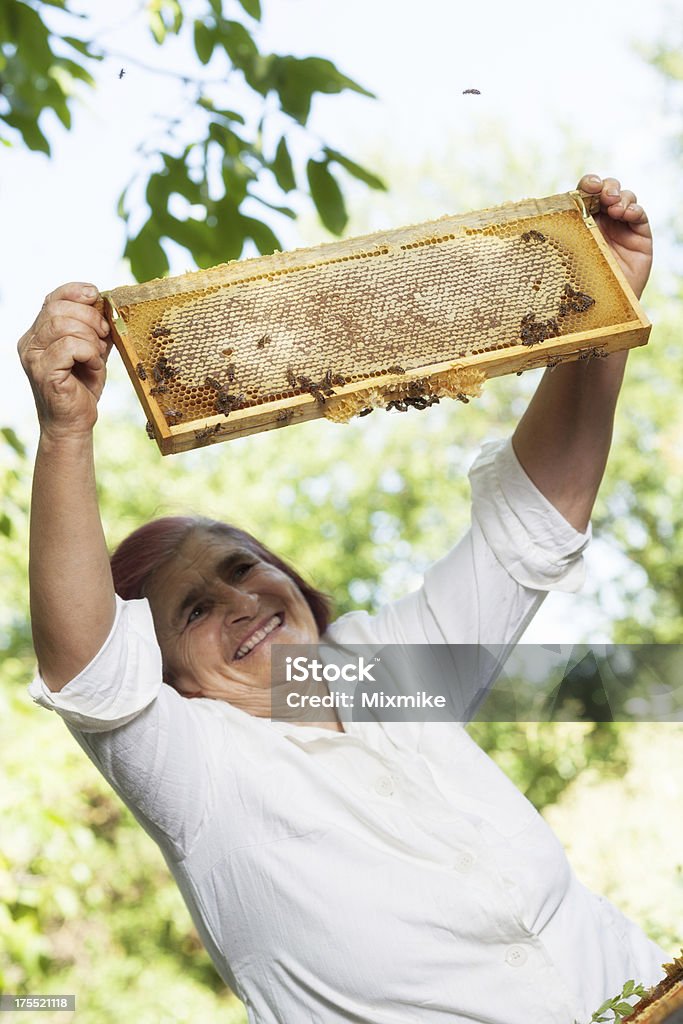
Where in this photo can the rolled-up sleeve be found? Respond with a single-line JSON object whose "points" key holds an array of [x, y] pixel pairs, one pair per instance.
{"points": [[123, 678], [532, 541]]}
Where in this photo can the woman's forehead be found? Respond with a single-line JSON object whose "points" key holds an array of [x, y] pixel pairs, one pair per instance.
{"points": [[200, 554]]}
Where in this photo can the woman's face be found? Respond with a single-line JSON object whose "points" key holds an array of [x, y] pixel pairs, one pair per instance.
{"points": [[217, 609]]}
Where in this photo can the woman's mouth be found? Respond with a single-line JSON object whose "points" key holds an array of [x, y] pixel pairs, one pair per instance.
{"points": [[258, 636]]}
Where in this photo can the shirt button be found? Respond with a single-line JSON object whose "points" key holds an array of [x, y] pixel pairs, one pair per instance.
{"points": [[464, 861], [516, 956], [384, 785]]}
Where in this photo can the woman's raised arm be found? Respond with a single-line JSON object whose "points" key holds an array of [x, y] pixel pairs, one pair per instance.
{"points": [[564, 437], [64, 355]]}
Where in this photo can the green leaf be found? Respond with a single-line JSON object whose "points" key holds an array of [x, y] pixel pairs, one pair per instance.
{"points": [[217, 7], [282, 167], [629, 988], [5, 525], [147, 258], [623, 1008], [264, 238], [13, 441], [296, 80], [253, 8], [83, 46], [327, 196], [204, 41], [29, 131], [237, 43], [355, 169]]}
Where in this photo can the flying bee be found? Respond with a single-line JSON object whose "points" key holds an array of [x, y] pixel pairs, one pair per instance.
{"points": [[213, 382], [471, 92], [141, 371], [122, 73]]}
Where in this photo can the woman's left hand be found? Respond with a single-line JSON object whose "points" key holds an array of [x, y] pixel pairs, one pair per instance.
{"points": [[625, 226]]}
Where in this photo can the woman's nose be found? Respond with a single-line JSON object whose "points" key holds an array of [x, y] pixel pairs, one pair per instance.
{"points": [[239, 604]]}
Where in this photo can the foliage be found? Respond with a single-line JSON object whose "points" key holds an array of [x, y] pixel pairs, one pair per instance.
{"points": [[219, 177], [619, 1007]]}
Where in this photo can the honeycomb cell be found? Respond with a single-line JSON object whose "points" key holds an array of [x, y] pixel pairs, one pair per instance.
{"points": [[457, 289]]}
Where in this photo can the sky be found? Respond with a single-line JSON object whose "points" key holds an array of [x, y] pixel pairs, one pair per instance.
{"points": [[545, 70]]}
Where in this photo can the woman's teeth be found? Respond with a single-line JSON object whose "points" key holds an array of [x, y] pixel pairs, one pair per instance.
{"points": [[258, 636]]}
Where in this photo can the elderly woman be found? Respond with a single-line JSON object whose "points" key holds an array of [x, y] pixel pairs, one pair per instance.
{"points": [[341, 871]]}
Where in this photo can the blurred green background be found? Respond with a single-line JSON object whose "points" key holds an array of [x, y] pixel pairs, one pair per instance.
{"points": [[86, 902]]}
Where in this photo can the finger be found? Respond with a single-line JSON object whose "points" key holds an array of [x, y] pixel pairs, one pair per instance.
{"points": [[74, 291], [69, 352], [611, 192], [590, 183], [52, 328], [55, 313]]}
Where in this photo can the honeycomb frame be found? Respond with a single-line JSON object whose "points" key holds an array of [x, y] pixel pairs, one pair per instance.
{"points": [[396, 319]]}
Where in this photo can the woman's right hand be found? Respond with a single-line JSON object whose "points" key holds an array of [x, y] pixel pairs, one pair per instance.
{"points": [[64, 355]]}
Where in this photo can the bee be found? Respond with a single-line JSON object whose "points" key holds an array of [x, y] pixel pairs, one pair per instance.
{"points": [[150, 430], [263, 341], [339, 380], [398, 405], [550, 366], [396, 369], [141, 371], [225, 402], [291, 379], [122, 73], [471, 92], [328, 379], [213, 382], [366, 412], [163, 371], [533, 236], [230, 372], [284, 416], [201, 435], [574, 302], [304, 381], [318, 395], [158, 389], [160, 332], [533, 332], [172, 414], [462, 397]]}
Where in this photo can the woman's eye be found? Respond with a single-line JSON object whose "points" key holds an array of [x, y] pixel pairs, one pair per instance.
{"points": [[196, 613], [241, 570]]}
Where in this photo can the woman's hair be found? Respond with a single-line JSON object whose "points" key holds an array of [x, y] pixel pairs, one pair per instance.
{"points": [[145, 550]]}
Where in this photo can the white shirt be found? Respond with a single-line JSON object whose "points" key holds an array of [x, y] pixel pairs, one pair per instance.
{"points": [[390, 874]]}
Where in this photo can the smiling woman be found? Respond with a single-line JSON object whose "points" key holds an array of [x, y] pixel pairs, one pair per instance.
{"points": [[346, 871], [219, 598]]}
